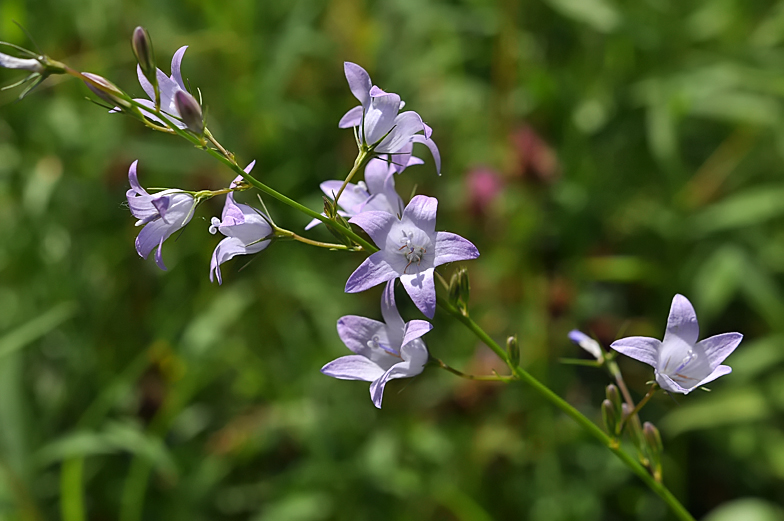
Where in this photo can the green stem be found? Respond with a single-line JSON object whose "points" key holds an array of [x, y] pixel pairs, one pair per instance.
{"points": [[480, 378], [639, 407], [71, 493], [358, 162], [615, 447], [329, 245]]}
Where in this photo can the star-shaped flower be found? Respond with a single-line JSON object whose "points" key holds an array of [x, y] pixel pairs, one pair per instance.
{"points": [[246, 229], [410, 248], [383, 350], [381, 125], [162, 214], [375, 193], [681, 363]]}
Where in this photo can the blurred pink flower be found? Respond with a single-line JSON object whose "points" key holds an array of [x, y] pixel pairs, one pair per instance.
{"points": [[536, 158], [482, 186]]}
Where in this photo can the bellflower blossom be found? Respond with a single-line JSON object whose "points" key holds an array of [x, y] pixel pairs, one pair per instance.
{"points": [[246, 229], [410, 248], [381, 125], [682, 364], [168, 88], [162, 214], [376, 193], [383, 350], [587, 343]]}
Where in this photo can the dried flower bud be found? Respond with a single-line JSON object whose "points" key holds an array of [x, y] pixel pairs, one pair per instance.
{"points": [[609, 417], [190, 111], [142, 49], [513, 350], [106, 90]]}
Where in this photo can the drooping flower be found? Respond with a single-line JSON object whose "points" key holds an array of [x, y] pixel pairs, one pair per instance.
{"points": [[383, 350], [410, 248], [587, 343], [681, 363], [162, 214], [381, 125], [247, 231], [375, 193], [168, 87]]}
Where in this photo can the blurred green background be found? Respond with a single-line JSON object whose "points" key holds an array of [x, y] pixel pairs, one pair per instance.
{"points": [[602, 154]]}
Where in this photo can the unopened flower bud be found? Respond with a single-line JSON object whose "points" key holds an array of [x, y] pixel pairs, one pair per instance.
{"points": [[609, 417], [190, 111], [142, 49], [460, 290], [27, 64], [587, 343], [634, 428], [513, 350], [614, 396], [105, 90], [655, 448]]}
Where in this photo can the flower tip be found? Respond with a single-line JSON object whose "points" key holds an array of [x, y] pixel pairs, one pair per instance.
{"points": [[190, 111]]}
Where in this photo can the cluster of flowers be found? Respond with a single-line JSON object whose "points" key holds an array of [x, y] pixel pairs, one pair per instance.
{"points": [[410, 248]]}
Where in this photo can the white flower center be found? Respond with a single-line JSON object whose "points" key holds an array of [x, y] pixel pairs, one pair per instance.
{"points": [[214, 223], [411, 251], [374, 343], [682, 371]]}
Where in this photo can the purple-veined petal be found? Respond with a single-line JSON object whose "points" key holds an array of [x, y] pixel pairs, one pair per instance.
{"points": [[451, 247], [159, 256], [415, 329], [682, 321], [175, 66], [352, 118], [232, 214], [422, 290], [380, 117], [359, 82], [668, 384], [389, 310], [372, 272], [421, 211], [642, 348], [134, 180], [406, 125], [161, 204], [151, 236], [353, 367], [376, 224], [719, 347], [719, 371], [433, 150]]}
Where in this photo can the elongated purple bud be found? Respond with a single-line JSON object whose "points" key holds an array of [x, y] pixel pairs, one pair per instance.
{"points": [[106, 90], [190, 111], [142, 49]]}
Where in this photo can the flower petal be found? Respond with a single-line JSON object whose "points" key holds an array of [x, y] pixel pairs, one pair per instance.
{"points": [[159, 256], [450, 247], [406, 125], [719, 371], [145, 83], [175, 66], [422, 290], [353, 367], [389, 310], [719, 347], [226, 250], [376, 174], [352, 118], [682, 322], [668, 384], [372, 272], [415, 329], [433, 149], [421, 211], [380, 117], [375, 224], [358, 81], [355, 332], [642, 348], [400, 370]]}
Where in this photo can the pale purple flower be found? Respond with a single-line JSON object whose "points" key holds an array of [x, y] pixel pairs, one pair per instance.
{"points": [[168, 87], [27, 64], [381, 125], [587, 343], [375, 193], [681, 363], [383, 350], [410, 248], [162, 214], [247, 231]]}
